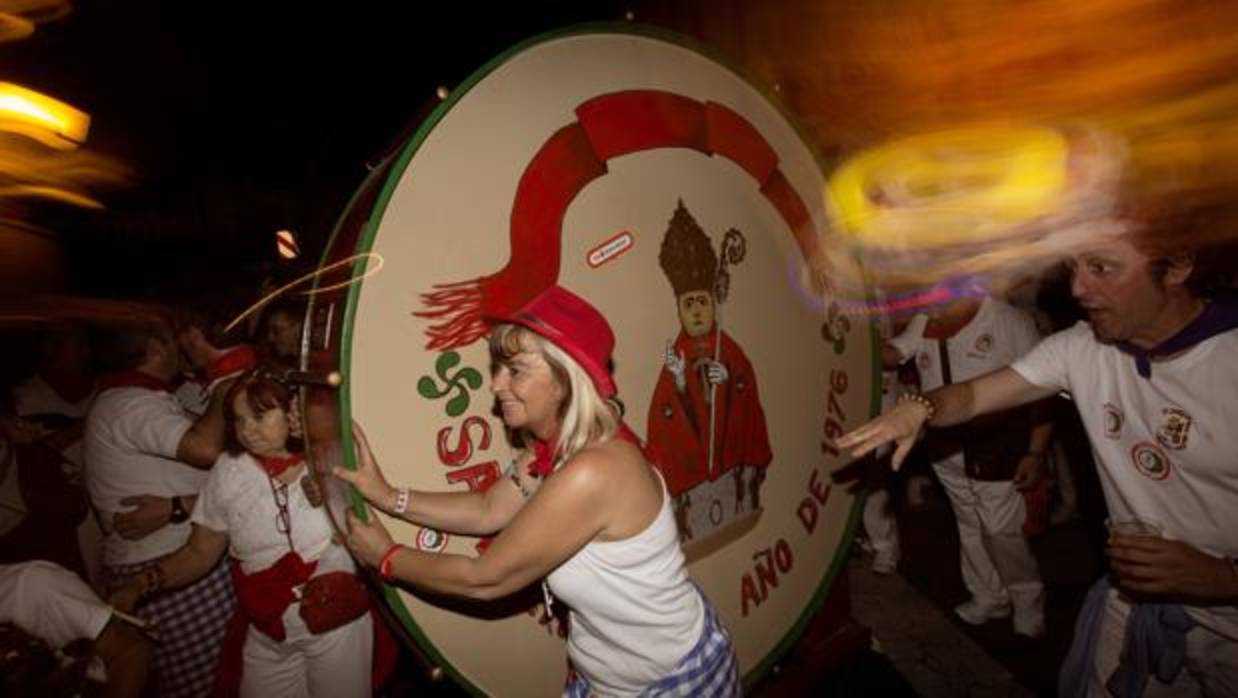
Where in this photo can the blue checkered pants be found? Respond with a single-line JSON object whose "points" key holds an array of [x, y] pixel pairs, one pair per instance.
{"points": [[191, 622], [709, 670]]}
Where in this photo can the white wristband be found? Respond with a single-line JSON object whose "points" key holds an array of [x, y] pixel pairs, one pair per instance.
{"points": [[401, 501]]}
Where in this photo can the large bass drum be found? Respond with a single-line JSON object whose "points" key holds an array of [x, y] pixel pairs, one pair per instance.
{"points": [[654, 181]]}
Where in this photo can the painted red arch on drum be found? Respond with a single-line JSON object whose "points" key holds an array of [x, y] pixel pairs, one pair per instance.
{"points": [[608, 126]]}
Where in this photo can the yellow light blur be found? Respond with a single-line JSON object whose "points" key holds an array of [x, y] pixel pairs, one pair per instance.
{"points": [[47, 120], [949, 187]]}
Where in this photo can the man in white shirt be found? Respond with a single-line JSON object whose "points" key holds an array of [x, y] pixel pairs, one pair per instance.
{"points": [[1150, 374], [55, 605], [146, 460], [984, 467], [45, 507]]}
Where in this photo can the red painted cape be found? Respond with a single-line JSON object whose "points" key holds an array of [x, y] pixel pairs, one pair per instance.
{"points": [[678, 433]]}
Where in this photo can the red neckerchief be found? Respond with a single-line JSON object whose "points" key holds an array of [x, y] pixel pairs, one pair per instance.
{"points": [[276, 465], [234, 360], [132, 378], [544, 455], [543, 459]]}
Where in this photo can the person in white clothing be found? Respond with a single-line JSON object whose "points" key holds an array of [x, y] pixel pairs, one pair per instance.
{"points": [[880, 524], [580, 507], [50, 407], [984, 467], [146, 460], [309, 632], [55, 605], [1149, 374], [210, 362]]}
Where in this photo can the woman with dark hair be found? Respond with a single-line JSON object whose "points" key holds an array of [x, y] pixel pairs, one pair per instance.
{"points": [[303, 615], [580, 507]]}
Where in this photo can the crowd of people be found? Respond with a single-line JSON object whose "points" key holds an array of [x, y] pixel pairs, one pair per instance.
{"points": [[157, 504], [108, 449], [220, 572], [1148, 371]]}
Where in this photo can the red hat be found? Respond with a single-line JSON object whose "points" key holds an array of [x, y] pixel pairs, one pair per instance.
{"points": [[570, 323]]}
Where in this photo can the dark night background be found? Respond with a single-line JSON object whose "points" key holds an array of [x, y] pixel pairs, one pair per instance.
{"points": [[239, 119]]}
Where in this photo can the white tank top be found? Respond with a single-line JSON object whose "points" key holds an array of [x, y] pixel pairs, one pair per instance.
{"points": [[635, 613]]}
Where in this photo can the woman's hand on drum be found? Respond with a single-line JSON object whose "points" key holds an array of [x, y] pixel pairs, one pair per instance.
{"points": [[368, 540], [367, 478]]}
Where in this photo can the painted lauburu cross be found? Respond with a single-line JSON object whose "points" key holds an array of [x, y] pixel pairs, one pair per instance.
{"points": [[458, 384]]}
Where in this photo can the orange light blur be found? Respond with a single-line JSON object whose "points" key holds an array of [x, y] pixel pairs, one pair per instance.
{"points": [[47, 120]]}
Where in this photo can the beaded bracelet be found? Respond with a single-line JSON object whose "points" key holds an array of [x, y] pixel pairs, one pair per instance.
{"points": [[401, 501], [384, 566], [930, 407]]}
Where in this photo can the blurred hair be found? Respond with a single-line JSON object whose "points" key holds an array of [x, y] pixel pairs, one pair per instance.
{"points": [[124, 345], [1200, 236]]}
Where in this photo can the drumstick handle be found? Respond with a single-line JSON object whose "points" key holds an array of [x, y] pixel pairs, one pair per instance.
{"points": [[325, 379]]}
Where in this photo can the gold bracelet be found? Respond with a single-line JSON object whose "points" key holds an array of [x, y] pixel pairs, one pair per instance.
{"points": [[930, 407]]}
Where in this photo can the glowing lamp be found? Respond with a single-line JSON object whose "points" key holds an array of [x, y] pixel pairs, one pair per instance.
{"points": [[48, 121], [286, 244]]}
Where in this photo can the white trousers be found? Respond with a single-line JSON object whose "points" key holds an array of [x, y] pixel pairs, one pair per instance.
{"points": [[879, 523], [997, 564], [335, 664], [1211, 669]]}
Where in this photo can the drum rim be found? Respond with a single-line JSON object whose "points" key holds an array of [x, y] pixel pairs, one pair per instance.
{"points": [[391, 171]]}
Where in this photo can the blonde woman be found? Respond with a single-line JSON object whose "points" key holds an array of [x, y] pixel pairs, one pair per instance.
{"points": [[580, 507]]}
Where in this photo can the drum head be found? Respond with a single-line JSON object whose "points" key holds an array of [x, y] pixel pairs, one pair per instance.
{"points": [[655, 182]]}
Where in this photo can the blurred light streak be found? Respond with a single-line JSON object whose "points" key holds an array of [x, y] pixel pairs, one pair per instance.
{"points": [[14, 28], [369, 271], [29, 169], [1154, 81], [37, 11], [903, 304], [47, 120], [48, 192], [998, 201], [46, 308]]}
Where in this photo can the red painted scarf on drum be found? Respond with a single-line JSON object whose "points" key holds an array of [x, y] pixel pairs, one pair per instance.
{"points": [[609, 126]]}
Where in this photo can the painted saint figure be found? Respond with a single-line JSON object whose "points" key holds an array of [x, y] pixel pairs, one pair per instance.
{"points": [[708, 386]]}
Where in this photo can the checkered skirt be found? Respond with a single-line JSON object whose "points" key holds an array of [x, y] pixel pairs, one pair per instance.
{"points": [[191, 622], [709, 670]]}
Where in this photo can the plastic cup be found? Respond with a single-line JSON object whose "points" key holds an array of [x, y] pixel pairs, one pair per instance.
{"points": [[1132, 526]]}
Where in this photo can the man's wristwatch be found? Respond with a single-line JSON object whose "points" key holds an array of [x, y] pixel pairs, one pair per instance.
{"points": [[179, 514]]}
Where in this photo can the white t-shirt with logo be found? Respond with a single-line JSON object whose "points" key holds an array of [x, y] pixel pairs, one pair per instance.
{"points": [[997, 335], [1166, 446]]}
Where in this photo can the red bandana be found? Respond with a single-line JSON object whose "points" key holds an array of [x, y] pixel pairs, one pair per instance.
{"points": [[234, 360], [276, 465], [132, 379], [543, 459], [544, 456]]}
